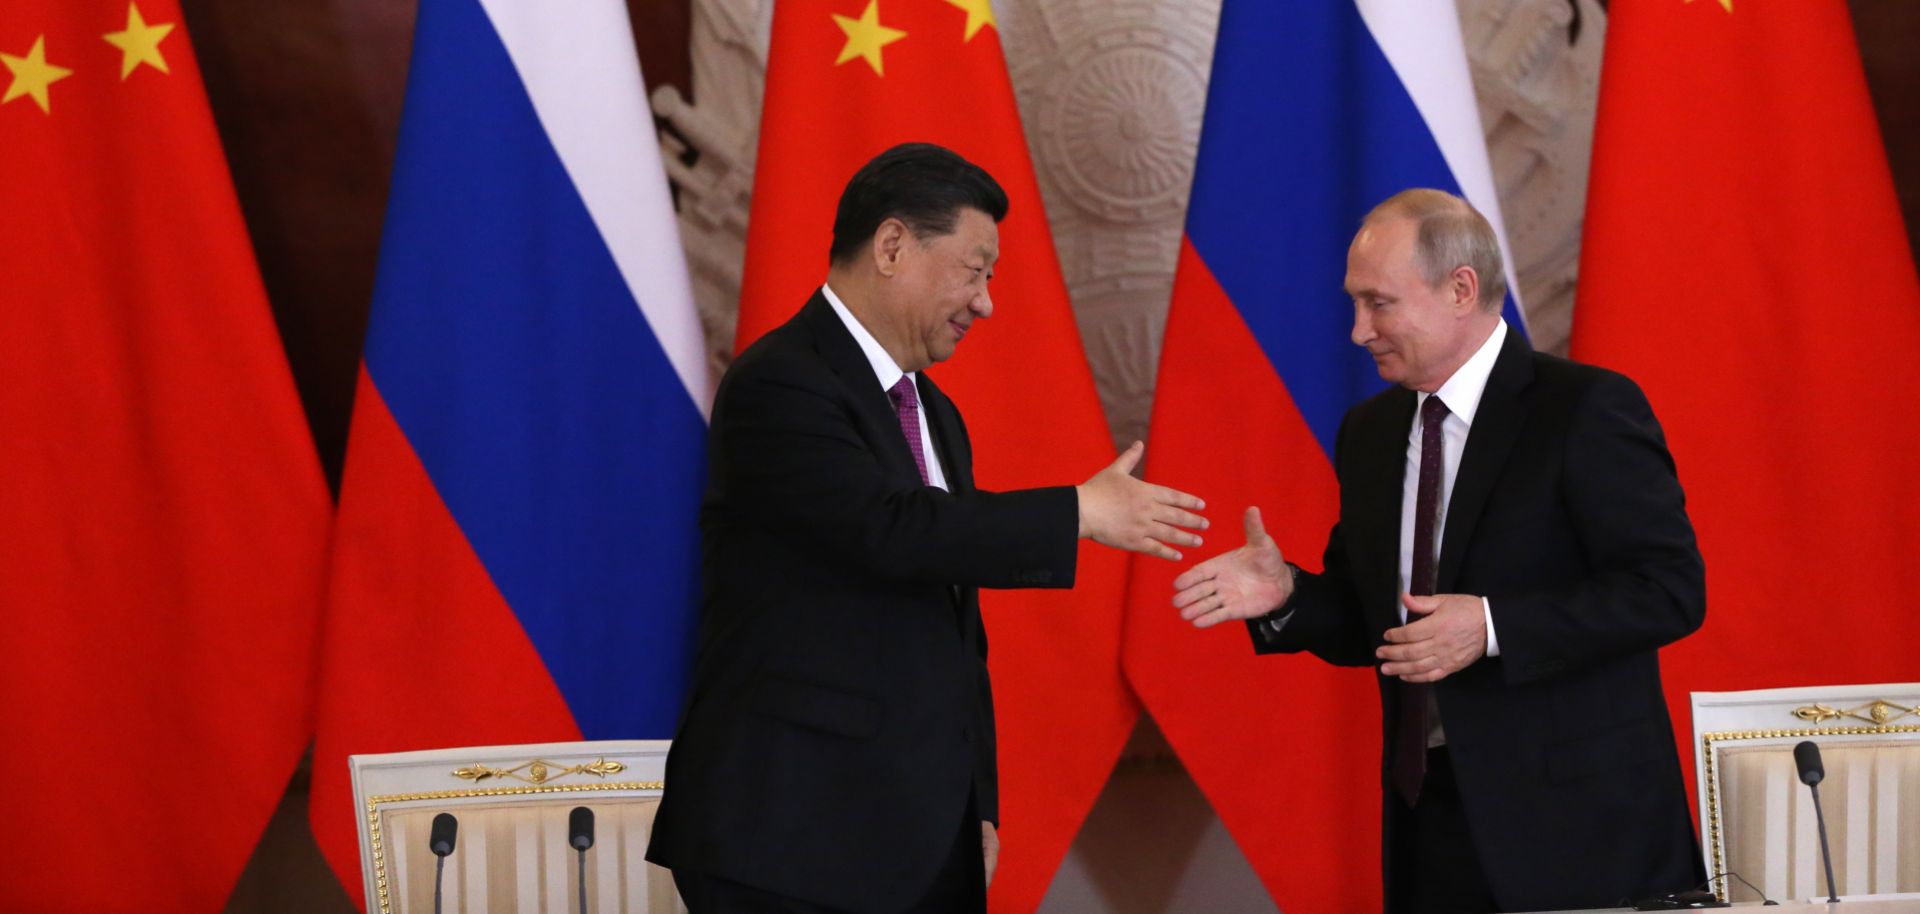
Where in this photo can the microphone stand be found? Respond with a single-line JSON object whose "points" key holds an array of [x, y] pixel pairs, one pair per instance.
{"points": [[583, 879], [1826, 856]]}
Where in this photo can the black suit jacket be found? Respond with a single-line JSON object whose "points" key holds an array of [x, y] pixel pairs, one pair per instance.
{"points": [[840, 713], [1567, 515]]}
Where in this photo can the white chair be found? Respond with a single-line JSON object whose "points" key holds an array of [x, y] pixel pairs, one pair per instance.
{"points": [[1757, 819], [511, 852]]}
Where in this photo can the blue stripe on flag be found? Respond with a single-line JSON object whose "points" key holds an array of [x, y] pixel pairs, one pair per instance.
{"points": [[1307, 128], [517, 363]]}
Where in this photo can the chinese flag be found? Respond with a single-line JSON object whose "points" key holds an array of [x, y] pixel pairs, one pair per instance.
{"points": [[1745, 262], [162, 513], [847, 79]]}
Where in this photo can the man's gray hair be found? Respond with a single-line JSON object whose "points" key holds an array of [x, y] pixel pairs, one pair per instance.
{"points": [[1452, 234]]}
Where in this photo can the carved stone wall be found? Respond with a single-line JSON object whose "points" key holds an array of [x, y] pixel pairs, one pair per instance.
{"points": [[1111, 93], [1537, 81], [709, 149]]}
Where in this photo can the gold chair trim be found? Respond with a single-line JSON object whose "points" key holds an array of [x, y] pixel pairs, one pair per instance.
{"points": [[538, 771], [1878, 712], [380, 881], [1712, 775]]}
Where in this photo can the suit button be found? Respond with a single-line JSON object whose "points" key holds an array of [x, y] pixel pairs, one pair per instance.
{"points": [[966, 734]]}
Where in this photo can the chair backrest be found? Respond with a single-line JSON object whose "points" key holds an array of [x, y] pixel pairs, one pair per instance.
{"points": [[1758, 820], [512, 803]]}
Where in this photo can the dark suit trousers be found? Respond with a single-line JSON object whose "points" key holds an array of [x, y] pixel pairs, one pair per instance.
{"points": [[1432, 867], [959, 888]]}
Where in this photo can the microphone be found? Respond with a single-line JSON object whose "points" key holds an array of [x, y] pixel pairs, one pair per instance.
{"points": [[580, 828], [580, 836], [1806, 757], [440, 841]]}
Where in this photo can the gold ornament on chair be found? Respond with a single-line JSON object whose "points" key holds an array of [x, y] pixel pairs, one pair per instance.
{"points": [[1879, 712], [538, 771]]}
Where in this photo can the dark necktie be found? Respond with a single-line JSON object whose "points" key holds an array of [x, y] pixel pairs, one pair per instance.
{"points": [[1410, 731], [906, 405]]}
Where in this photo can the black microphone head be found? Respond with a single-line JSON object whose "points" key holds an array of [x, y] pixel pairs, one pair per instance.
{"points": [[440, 841], [580, 828], [1806, 757]]}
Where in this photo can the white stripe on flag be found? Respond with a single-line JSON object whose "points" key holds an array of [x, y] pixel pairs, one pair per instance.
{"points": [[577, 60], [1422, 41]]}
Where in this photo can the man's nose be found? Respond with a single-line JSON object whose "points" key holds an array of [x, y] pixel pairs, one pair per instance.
{"points": [[982, 305], [1362, 327]]}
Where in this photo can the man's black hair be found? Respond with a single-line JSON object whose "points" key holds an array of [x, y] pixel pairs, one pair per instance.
{"points": [[922, 185]]}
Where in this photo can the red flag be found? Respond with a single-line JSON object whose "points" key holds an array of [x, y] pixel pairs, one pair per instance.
{"points": [[1287, 749], [165, 515], [846, 79], [1745, 262]]}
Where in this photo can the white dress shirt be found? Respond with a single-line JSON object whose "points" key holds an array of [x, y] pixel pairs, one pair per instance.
{"points": [[1461, 393], [889, 374]]}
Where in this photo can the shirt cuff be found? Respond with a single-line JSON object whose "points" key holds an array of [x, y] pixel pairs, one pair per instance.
{"points": [[1493, 640]]}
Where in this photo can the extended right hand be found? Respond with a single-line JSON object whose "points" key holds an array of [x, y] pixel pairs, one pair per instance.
{"points": [[1250, 581], [1123, 512]]}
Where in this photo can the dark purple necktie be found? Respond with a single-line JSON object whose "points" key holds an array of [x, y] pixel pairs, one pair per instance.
{"points": [[1410, 731], [906, 405]]}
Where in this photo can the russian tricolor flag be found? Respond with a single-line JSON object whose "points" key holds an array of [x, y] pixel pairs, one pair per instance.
{"points": [[516, 552], [1316, 112]]}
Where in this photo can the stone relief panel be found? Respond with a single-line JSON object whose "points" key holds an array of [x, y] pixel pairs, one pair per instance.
{"points": [[709, 148], [1111, 93], [1537, 78]]}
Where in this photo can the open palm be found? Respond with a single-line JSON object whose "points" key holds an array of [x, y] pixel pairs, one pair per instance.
{"points": [[1250, 581]]}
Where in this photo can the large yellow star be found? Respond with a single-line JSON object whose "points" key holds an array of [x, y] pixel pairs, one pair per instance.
{"points": [[979, 13], [139, 43], [866, 36], [32, 75], [1725, 4]]}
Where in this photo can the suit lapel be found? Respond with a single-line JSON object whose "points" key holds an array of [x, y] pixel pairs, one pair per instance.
{"points": [[1496, 426], [1383, 447], [949, 436], [950, 442], [873, 409]]}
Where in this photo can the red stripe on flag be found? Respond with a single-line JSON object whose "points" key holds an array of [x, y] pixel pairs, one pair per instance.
{"points": [[419, 650], [1286, 748]]}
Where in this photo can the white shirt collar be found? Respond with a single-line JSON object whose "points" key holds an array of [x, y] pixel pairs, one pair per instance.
{"points": [[1462, 392], [884, 367]]}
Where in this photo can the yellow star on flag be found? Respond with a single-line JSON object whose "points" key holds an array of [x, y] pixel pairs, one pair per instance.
{"points": [[866, 36], [139, 43], [979, 13], [1725, 4], [32, 75]]}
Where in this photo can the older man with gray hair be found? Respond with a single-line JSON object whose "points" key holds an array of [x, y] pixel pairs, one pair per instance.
{"points": [[1513, 549]]}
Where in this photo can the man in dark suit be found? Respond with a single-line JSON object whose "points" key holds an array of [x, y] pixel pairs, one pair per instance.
{"points": [[1512, 550], [837, 748]]}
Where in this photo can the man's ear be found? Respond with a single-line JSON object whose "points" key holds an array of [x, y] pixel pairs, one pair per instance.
{"points": [[1463, 289], [889, 242]]}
